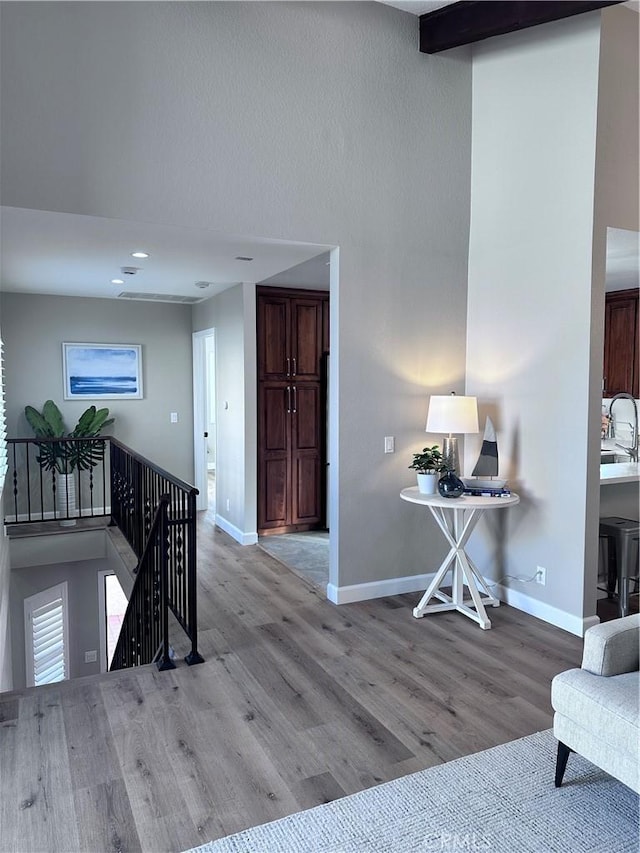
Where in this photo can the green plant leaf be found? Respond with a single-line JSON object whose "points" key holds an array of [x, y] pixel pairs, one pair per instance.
{"points": [[91, 422], [37, 423], [53, 416], [66, 456]]}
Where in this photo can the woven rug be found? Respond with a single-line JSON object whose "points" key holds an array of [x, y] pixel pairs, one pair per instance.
{"points": [[502, 800]]}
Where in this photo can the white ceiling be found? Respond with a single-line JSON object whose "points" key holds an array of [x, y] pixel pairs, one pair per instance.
{"points": [[417, 7], [71, 255]]}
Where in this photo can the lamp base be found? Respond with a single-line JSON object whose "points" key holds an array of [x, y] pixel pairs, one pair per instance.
{"points": [[450, 454]]}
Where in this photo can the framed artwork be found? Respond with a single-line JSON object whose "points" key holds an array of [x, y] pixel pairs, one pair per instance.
{"points": [[102, 371]]}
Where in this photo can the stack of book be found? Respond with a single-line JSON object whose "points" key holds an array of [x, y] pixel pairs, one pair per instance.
{"points": [[487, 493]]}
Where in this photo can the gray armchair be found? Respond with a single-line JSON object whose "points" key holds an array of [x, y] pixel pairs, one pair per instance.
{"points": [[596, 706]]}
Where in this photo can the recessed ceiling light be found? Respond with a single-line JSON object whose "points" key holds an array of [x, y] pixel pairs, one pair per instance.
{"points": [[243, 258], [117, 281], [139, 254], [203, 284]]}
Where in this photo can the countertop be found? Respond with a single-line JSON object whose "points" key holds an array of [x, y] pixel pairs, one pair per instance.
{"points": [[619, 472]]}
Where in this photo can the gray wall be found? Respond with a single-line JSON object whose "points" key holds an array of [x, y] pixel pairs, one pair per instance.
{"points": [[34, 328], [318, 122], [236, 407], [529, 318], [553, 107], [84, 635]]}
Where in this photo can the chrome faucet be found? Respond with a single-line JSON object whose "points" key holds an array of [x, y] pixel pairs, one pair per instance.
{"points": [[633, 450]]}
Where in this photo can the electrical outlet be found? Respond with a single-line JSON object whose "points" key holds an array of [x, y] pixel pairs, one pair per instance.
{"points": [[541, 575], [174, 417], [389, 444]]}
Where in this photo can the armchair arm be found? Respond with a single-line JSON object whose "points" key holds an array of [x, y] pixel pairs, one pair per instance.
{"points": [[612, 648]]}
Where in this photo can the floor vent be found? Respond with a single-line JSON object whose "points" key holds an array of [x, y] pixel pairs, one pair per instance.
{"points": [[160, 297]]}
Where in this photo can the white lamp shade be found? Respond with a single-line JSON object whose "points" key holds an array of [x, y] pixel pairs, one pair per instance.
{"points": [[451, 413]]}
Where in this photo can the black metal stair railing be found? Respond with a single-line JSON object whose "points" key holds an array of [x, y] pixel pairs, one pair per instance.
{"points": [[144, 635], [50, 479], [155, 511], [138, 487]]}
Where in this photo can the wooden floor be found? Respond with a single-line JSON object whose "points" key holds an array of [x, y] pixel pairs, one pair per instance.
{"points": [[299, 702]]}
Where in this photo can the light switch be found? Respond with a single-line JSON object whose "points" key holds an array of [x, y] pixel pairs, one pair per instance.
{"points": [[389, 444], [90, 657], [174, 417]]}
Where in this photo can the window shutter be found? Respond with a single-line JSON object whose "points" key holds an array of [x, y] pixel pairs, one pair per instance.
{"points": [[46, 635], [3, 428]]}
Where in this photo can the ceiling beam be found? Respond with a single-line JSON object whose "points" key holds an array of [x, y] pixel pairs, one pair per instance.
{"points": [[473, 20]]}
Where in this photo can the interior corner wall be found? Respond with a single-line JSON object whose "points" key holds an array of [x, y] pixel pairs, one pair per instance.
{"points": [[312, 122], [34, 328], [618, 142], [226, 313], [250, 411], [617, 205], [529, 302]]}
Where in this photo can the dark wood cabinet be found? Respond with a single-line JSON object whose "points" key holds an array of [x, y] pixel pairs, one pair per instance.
{"points": [[621, 371], [292, 346], [290, 337]]}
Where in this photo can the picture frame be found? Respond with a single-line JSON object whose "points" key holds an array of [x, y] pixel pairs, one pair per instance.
{"points": [[102, 371]]}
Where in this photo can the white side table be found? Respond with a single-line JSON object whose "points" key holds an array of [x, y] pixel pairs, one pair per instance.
{"points": [[457, 518]]}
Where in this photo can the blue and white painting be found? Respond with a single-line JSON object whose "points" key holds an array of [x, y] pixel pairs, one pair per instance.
{"points": [[102, 371]]}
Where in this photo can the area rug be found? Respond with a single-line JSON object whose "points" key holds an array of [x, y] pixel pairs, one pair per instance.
{"points": [[502, 800]]}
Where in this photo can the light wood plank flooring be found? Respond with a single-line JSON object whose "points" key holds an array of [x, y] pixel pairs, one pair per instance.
{"points": [[299, 702]]}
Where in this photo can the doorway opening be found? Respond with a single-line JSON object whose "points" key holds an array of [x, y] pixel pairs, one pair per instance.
{"points": [[205, 418]]}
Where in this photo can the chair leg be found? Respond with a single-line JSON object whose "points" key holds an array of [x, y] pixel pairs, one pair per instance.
{"points": [[561, 762]]}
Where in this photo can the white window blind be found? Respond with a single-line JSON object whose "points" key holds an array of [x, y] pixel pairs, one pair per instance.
{"points": [[3, 428], [46, 629]]}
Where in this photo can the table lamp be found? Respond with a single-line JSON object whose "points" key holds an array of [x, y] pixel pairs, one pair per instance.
{"points": [[449, 414]]}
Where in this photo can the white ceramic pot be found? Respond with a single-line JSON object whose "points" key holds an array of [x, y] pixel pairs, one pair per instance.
{"points": [[66, 498], [428, 483]]}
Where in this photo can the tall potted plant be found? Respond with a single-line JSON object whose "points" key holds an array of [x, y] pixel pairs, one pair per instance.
{"points": [[428, 464], [61, 457]]}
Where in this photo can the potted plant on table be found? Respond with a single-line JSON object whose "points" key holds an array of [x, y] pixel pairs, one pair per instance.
{"points": [[61, 457], [428, 464]]}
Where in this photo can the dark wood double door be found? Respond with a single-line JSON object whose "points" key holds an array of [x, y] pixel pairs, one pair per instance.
{"points": [[293, 344], [621, 369]]}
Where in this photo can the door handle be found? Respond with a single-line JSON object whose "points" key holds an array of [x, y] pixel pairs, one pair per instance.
{"points": [[295, 366], [288, 399], [288, 366], [206, 435], [295, 399]]}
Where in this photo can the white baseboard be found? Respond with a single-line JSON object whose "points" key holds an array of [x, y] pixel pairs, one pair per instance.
{"points": [[419, 583], [235, 532], [379, 589], [576, 625]]}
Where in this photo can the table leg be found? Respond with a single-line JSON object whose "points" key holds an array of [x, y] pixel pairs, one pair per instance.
{"points": [[457, 532]]}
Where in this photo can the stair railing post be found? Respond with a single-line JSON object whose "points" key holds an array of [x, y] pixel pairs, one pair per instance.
{"points": [[192, 558], [165, 661]]}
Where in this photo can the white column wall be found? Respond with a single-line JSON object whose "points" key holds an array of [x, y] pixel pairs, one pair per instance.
{"points": [[529, 301]]}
